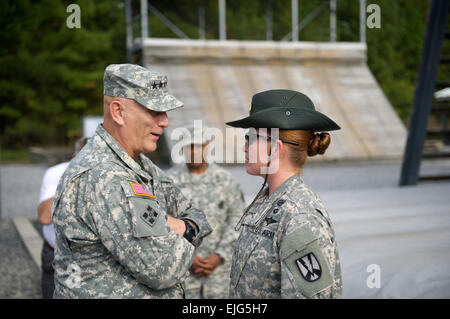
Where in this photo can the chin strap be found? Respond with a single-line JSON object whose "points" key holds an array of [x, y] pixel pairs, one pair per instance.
{"points": [[239, 224]]}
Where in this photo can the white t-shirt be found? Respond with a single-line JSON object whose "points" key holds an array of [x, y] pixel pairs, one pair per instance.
{"points": [[48, 190]]}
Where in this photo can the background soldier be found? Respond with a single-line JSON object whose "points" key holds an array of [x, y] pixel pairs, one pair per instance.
{"points": [[218, 195], [114, 235]]}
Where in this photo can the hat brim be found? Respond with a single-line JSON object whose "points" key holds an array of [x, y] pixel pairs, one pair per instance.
{"points": [[287, 118], [162, 102], [189, 142]]}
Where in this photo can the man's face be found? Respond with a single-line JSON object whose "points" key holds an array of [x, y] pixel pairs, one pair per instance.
{"points": [[195, 154], [143, 127]]}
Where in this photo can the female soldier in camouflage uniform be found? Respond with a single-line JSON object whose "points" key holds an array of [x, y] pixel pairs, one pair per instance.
{"points": [[287, 247]]}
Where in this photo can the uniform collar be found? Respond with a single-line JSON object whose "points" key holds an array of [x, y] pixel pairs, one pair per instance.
{"points": [[122, 155], [282, 189], [206, 175]]}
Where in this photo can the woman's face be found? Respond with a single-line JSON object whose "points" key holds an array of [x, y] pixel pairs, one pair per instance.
{"points": [[256, 149]]}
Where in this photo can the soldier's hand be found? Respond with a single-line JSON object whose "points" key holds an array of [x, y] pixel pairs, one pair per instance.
{"points": [[177, 225], [211, 263], [197, 266]]}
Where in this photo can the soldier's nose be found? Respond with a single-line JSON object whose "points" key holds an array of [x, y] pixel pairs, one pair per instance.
{"points": [[164, 120]]}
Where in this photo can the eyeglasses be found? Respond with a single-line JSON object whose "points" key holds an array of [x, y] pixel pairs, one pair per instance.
{"points": [[250, 138]]}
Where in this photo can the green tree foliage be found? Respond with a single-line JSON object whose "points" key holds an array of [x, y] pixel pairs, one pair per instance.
{"points": [[51, 75], [395, 49]]}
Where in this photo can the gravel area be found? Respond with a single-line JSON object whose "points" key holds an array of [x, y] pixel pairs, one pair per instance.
{"points": [[19, 275]]}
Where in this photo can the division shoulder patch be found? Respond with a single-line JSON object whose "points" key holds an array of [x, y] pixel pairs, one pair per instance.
{"points": [[309, 267]]}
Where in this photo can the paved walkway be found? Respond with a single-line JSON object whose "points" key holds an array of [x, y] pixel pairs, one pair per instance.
{"points": [[401, 234]]}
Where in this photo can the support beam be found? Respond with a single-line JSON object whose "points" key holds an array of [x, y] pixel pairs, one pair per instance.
{"points": [[423, 95], [144, 19], [269, 32], [332, 20], [129, 28], [201, 20], [362, 21], [307, 20], [222, 20], [294, 14], [167, 22]]}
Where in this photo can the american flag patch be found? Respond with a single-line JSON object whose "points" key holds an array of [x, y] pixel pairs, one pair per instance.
{"points": [[138, 189]]}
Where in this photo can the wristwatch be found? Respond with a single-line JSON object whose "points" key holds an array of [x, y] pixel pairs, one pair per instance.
{"points": [[189, 233]]}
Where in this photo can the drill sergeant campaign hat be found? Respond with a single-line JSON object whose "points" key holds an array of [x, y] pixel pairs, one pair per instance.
{"points": [[286, 110], [135, 82]]}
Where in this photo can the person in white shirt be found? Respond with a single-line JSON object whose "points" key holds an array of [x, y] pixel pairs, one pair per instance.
{"points": [[48, 190]]}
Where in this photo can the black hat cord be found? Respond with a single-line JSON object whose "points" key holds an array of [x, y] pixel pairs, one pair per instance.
{"points": [[239, 224]]}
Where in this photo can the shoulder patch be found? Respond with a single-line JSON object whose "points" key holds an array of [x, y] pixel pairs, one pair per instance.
{"points": [[138, 189], [306, 261], [309, 267]]}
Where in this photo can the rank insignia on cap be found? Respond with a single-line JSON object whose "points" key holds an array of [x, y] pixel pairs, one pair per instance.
{"points": [[138, 189], [309, 267], [159, 84]]}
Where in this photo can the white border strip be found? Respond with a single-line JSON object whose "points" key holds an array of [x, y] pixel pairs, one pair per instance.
{"points": [[30, 237]]}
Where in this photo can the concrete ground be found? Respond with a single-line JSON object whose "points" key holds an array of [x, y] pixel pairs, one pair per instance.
{"points": [[393, 239]]}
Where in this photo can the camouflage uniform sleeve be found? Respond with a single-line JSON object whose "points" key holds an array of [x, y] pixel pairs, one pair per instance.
{"points": [[180, 207], [153, 254], [305, 266], [236, 205]]}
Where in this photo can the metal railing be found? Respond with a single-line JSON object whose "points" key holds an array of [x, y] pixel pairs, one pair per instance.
{"points": [[297, 26]]}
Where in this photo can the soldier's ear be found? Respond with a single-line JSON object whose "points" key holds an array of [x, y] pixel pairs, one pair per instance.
{"points": [[281, 149], [276, 148], [116, 111]]}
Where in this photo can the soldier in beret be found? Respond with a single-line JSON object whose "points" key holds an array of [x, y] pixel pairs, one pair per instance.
{"points": [[123, 230], [287, 247]]}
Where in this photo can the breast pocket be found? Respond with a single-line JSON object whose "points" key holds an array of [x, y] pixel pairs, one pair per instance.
{"points": [[148, 218]]}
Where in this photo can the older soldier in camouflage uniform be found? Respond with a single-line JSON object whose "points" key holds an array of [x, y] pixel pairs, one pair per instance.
{"points": [[287, 247], [215, 191], [114, 235]]}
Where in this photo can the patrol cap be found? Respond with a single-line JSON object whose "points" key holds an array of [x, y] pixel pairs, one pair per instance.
{"points": [[286, 110], [196, 135], [146, 87]]}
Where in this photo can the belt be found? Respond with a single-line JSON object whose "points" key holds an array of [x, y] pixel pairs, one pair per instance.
{"points": [[48, 245]]}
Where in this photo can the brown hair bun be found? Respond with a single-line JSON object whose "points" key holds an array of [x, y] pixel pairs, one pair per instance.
{"points": [[318, 144]]}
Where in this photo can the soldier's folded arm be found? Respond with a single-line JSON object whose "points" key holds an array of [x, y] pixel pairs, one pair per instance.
{"points": [[152, 253], [180, 207]]}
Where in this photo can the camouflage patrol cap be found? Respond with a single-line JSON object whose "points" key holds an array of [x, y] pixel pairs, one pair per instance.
{"points": [[196, 135], [146, 87], [286, 110]]}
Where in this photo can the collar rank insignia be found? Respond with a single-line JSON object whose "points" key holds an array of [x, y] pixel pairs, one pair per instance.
{"points": [[138, 189], [309, 267]]}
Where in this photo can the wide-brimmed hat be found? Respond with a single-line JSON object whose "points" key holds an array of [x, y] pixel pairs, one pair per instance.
{"points": [[146, 87], [286, 110]]}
